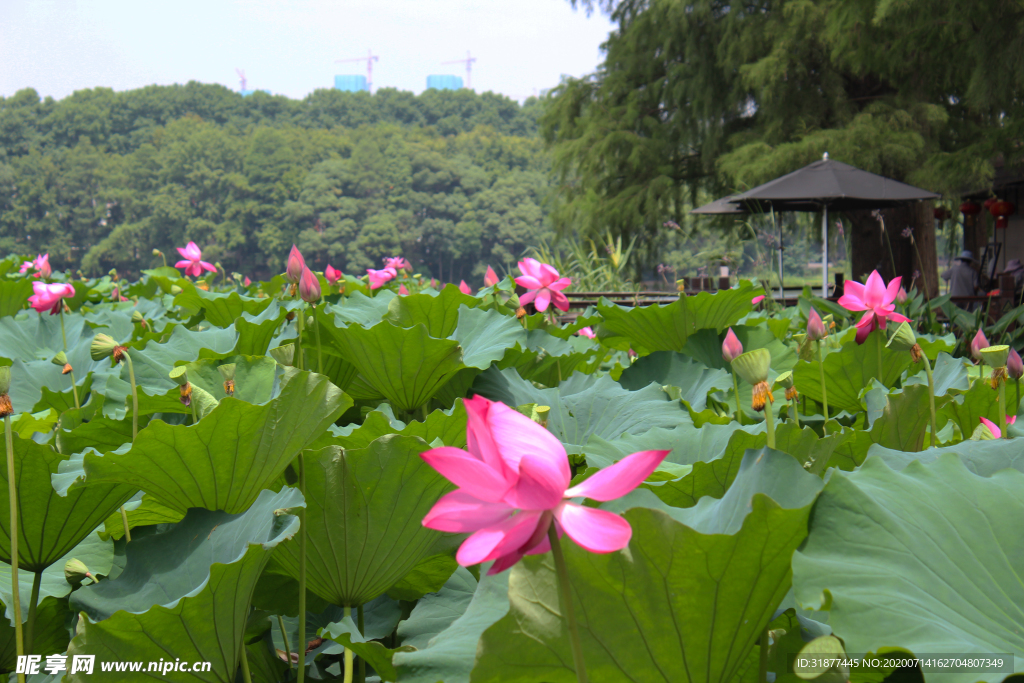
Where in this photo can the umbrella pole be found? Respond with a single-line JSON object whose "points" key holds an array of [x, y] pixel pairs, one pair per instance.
{"points": [[824, 251]]}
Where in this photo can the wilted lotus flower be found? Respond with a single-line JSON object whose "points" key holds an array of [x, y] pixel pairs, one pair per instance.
{"points": [[309, 286], [464, 288], [294, 266], [490, 277], [977, 344], [49, 297], [1014, 366], [332, 275], [545, 285], [192, 262], [875, 298], [815, 327], [731, 347], [514, 483]]}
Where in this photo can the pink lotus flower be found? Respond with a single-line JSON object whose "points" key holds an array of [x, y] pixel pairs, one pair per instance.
{"points": [[757, 299], [396, 263], [464, 288], [115, 295], [876, 299], [379, 277], [586, 332], [815, 326], [294, 266], [996, 432], [514, 483], [309, 286], [731, 347], [433, 283], [544, 283], [977, 344], [1014, 366], [402, 290], [41, 264], [48, 297], [490, 277], [192, 264], [246, 281], [332, 275]]}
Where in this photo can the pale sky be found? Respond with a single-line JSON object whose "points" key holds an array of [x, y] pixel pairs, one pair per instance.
{"points": [[289, 46]]}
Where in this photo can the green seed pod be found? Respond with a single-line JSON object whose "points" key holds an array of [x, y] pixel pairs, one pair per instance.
{"points": [[903, 339], [179, 375], [995, 356], [785, 380], [102, 346], [227, 371], [75, 572], [60, 360], [753, 366], [137, 317], [284, 354], [176, 290]]}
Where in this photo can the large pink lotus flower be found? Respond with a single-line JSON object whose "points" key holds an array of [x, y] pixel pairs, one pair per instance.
{"points": [[464, 288], [40, 264], [544, 283], [332, 275], [192, 264], [732, 348], [490, 277], [379, 277], [295, 264], [514, 483], [396, 263], [996, 432], [876, 299], [48, 297]]}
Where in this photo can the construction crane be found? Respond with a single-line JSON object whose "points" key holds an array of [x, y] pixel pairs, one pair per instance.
{"points": [[370, 59], [469, 67], [241, 75]]}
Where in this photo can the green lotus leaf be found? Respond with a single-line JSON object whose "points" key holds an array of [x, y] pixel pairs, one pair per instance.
{"points": [[706, 346], [949, 374], [447, 425], [849, 371], [51, 524], [50, 635], [586, 405], [228, 457], [141, 512], [38, 337], [896, 569], [256, 332], [905, 419], [547, 359], [376, 654], [219, 309], [429, 576], [27, 424], [154, 360], [440, 313], [699, 586], [658, 327], [450, 654], [436, 612], [694, 379], [687, 444], [256, 377], [14, 295], [485, 336], [360, 309], [365, 508], [185, 591], [100, 433], [967, 409], [983, 458]]}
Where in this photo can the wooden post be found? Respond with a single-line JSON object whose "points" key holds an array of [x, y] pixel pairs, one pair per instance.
{"points": [[840, 285], [925, 258]]}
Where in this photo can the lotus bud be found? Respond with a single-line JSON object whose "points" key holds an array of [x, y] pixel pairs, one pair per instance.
{"points": [[815, 326], [977, 344], [309, 286], [5, 384], [731, 347], [227, 371], [293, 269], [1014, 366], [76, 571], [102, 346], [901, 296], [785, 380]]}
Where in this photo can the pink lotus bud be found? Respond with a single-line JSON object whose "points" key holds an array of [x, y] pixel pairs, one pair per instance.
{"points": [[815, 327], [332, 275], [901, 296], [464, 288], [295, 265], [246, 281], [731, 347], [309, 286], [977, 344], [490, 277], [586, 332], [402, 289], [757, 299], [1014, 366]]}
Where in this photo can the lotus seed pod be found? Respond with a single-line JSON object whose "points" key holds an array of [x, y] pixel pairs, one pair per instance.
{"points": [[61, 359], [75, 572], [753, 366], [227, 371], [102, 346], [179, 375], [903, 339], [995, 356], [137, 318], [176, 290], [284, 354], [157, 252], [785, 380]]}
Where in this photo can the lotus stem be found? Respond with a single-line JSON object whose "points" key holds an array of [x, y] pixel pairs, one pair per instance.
{"points": [[30, 625], [769, 422], [135, 395], [736, 389], [64, 337], [821, 374], [319, 354], [1002, 408], [301, 645], [880, 336], [348, 653], [1017, 382], [195, 416], [565, 593], [12, 493], [762, 665], [298, 339], [244, 661], [931, 396], [796, 417], [284, 636], [361, 669]]}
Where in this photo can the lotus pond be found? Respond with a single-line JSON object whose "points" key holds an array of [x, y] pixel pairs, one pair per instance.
{"points": [[286, 479]]}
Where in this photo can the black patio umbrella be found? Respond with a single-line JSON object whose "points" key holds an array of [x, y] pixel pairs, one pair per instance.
{"points": [[829, 184]]}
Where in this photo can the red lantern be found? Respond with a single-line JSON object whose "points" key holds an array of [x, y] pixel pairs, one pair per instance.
{"points": [[1002, 209], [989, 202], [970, 209], [941, 213]]}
